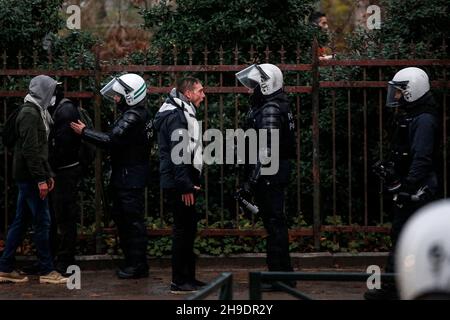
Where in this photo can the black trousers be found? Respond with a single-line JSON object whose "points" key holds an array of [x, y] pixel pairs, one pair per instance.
{"points": [[400, 217], [64, 210], [183, 236], [128, 214], [270, 200]]}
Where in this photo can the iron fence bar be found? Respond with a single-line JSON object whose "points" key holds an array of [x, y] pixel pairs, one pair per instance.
{"points": [[6, 184], [254, 285], [380, 136], [349, 161], [291, 291], [192, 68], [372, 84], [299, 202], [333, 133], [51, 73], [236, 124], [385, 62], [445, 132], [98, 163], [257, 278], [365, 149], [161, 192], [23, 93], [315, 142], [298, 142], [224, 282], [205, 166], [298, 232], [319, 276]]}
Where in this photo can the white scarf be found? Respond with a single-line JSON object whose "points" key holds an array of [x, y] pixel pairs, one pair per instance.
{"points": [[195, 142], [45, 115]]}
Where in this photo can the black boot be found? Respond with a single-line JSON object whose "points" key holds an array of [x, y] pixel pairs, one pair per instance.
{"points": [[130, 272]]}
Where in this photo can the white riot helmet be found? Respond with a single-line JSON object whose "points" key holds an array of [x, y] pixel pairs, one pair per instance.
{"points": [[268, 76], [412, 82], [423, 253], [131, 86]]}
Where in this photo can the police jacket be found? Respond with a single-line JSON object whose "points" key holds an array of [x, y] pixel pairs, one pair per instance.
{"points": [[64, 143], [182, 177], [415, 145], [273, 112], [129, 144]]}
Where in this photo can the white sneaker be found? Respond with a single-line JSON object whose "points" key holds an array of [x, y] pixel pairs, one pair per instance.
{"points": [[53, 277], [12, 277]]}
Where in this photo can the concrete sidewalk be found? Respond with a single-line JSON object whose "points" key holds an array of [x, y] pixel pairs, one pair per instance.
{"points": [[98, 280]]}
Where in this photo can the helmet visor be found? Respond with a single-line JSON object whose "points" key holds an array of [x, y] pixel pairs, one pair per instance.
{"points": [[393, 87], [248, 76], [108, 90]]}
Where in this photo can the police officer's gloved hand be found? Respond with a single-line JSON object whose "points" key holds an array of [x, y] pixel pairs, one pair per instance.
{"points": [[248, 187]]}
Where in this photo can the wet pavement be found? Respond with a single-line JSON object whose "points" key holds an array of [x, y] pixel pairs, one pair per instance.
{"points": [[104, 285]]}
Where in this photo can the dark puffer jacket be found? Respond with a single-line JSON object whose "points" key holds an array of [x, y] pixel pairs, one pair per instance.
{"points": [[182, 177], [415, 144]]}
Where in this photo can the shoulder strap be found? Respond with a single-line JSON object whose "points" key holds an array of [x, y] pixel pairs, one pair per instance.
{"points": [[58, 107]]}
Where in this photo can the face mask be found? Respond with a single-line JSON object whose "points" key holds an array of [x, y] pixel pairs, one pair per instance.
{"points": [[52, 101]]}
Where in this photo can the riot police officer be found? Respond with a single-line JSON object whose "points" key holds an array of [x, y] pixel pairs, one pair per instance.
{"points": [[410, 172], [425, 240], [129, 144], [270, 110]]}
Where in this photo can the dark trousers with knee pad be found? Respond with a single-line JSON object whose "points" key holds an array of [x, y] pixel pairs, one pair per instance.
{"points": [[270, 200], [128, 214], [400, 217]]}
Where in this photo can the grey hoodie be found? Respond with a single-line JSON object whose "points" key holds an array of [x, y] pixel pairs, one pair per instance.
{"points": [[40, 93]]}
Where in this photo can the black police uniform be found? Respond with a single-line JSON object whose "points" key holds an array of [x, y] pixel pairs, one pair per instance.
{"points": [[272, 112], [415, 154], [129, 144]]}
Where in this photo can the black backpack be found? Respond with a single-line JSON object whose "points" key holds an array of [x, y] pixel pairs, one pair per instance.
{"points": [[9, 133], [86, 154]]}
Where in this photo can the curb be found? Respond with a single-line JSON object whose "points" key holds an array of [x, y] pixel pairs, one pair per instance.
{"points": [[249, 260]]}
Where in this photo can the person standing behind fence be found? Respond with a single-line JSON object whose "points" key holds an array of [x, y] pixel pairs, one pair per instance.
{"points": [[320, 21], [129, 144], [34, 178], [175, 120], [410, 173]]}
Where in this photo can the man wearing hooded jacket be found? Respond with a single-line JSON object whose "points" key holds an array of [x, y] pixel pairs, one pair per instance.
{"points": [[34, 178], [181, 180]]}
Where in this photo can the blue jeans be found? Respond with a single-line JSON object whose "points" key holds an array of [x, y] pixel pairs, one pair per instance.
{"points": [[29, 196]]}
